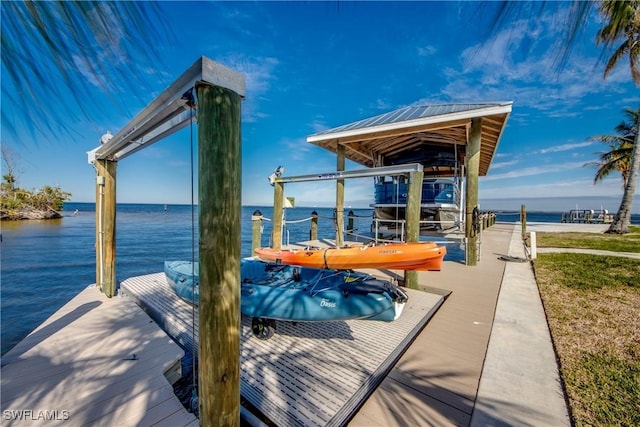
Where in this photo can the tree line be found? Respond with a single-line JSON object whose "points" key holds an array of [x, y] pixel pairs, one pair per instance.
{"points": [[18, 203]]}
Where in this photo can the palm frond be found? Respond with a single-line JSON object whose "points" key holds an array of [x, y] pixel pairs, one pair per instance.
{"points": [[57, 55], [621, 148], [576, 15], [622, 26]]}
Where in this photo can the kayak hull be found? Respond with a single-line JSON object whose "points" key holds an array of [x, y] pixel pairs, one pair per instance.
{"points": [[292, 293], [422, 256]]}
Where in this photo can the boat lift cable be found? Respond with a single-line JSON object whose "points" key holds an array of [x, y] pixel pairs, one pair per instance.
{"points": [[194, 391]]}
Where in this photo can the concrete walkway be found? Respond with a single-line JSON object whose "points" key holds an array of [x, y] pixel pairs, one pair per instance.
{"points": [[486, 357], [520, 382]]}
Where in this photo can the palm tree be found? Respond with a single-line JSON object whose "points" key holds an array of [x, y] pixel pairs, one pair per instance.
{"points": [[621, 29], [624, 26], [61, 51], [618, 158]]}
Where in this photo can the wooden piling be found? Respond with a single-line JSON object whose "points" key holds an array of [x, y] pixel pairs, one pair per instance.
{"points": [[106, 226], [219, 188], [313, 233], [412, 217], [278, 213], [473, 170], [256, 231], [523, 221], [350, 218], [340, 198]]}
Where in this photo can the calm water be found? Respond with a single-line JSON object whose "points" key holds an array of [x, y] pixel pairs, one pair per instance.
{"points": [[46, 263]]}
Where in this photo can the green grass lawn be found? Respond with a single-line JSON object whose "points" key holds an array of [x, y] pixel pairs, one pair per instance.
{"points": [[607, 242], [592, 303]]}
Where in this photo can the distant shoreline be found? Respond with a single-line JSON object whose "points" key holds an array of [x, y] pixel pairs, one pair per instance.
{"points": [[30, 214]]}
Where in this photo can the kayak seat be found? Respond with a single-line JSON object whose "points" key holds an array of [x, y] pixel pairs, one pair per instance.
{"points": [[372, 286]]}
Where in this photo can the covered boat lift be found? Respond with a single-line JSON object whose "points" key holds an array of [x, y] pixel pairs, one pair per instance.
{"points": [[425, 134]]}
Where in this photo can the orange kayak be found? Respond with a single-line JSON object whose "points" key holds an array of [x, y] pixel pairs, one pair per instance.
{"points": [[421, 256]]}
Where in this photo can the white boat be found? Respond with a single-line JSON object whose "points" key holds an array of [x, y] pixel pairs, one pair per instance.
{"points": [[440, 207]]}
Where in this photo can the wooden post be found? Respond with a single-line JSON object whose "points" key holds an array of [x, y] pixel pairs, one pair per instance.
{"points": [[313, 233], [256, 231], [278, 211], [523, 221], [533, 245], [340, 198], [473, 170], [219, 175], [106, 226], [412, 217], [350, 217], [99, 212]]}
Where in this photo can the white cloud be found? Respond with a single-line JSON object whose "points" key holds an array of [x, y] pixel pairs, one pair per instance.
{"points": [[499, 165], [534, 170], [381, 104], [519, 64], [573, 188], [297, 148], [318, 125], [259, 74], [564, 147], [426, 50]]}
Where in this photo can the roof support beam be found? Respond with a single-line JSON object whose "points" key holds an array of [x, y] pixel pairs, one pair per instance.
{"points": [[340, 197], [473, 168], [168, 113]]}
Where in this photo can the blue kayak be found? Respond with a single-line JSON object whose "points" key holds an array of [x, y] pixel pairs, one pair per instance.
{"points": [[299, 294], [181, 275]]}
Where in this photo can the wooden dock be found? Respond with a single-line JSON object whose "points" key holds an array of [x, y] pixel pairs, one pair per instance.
{"points": [[79, 365], [435, 382], [308, 373], [96, 361]]}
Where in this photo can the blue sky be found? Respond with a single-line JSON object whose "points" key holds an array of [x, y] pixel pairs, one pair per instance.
{"points": [[311, 66]]}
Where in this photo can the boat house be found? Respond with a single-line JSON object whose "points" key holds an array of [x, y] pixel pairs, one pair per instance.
{"points": [[454, 141]]}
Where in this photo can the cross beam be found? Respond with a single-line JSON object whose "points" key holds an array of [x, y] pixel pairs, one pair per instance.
{"points": [[358, 173], [169, 112]]}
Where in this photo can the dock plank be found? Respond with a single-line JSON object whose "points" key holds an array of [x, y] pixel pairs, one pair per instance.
{"points": [[441, 370], [309, 373], [74, 368]]}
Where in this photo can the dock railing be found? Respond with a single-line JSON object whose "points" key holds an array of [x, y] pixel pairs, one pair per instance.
{"points": [[359, 228], [355, 229]]}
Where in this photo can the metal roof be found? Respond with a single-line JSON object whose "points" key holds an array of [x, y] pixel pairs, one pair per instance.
{"points": [[434, 135]]}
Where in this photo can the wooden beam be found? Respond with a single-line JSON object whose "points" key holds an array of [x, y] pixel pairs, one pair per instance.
{"points": [[412, 217], [106, 226], [340, 198], [473, 167], [278, 210], [360, 149], [396, 132], [219, 194], [256, 231]]}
